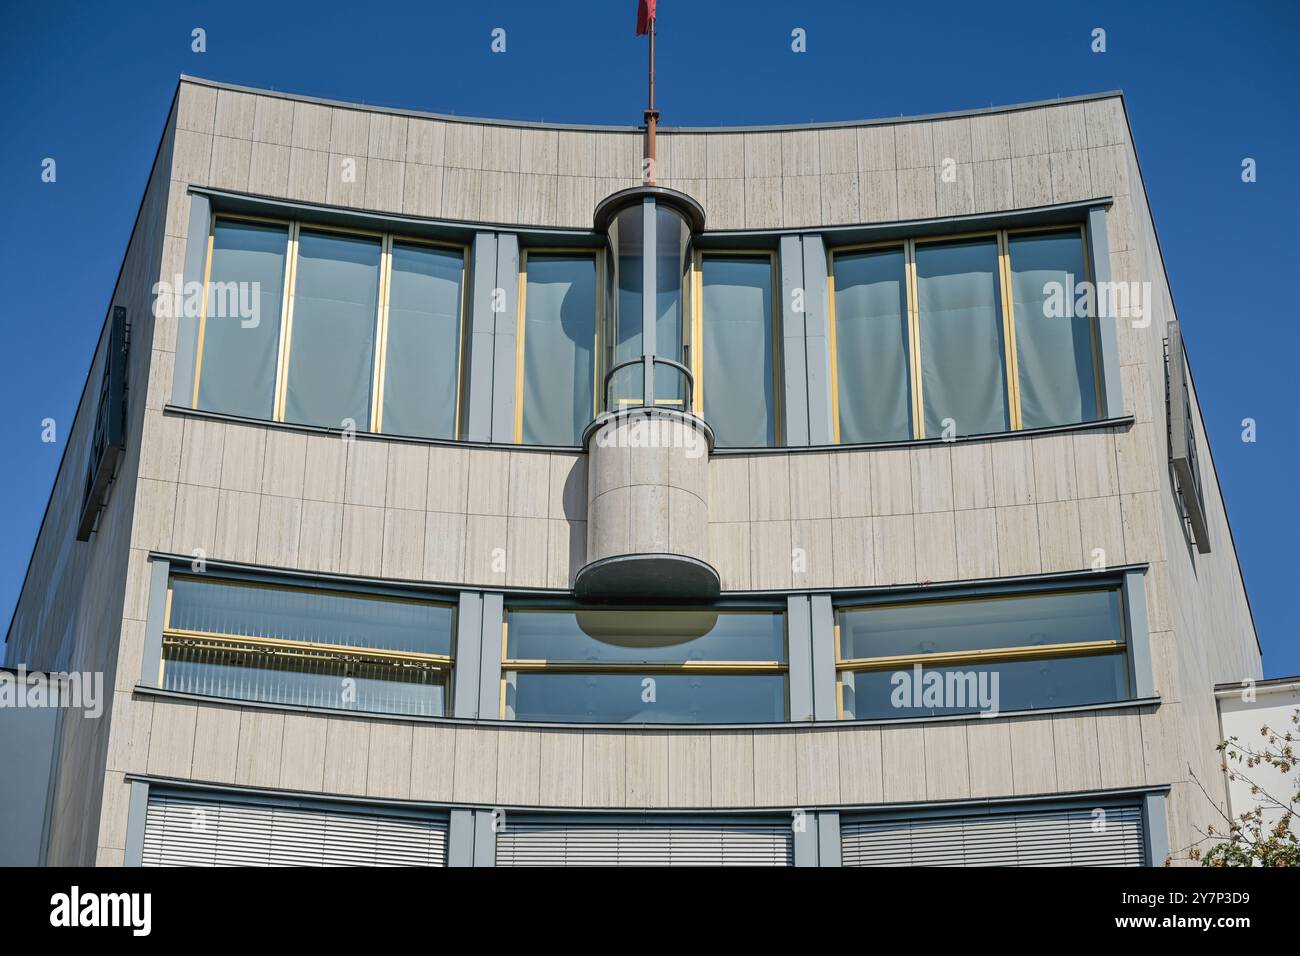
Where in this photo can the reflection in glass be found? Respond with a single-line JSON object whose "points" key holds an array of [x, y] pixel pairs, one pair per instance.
{"points": [[335, 314], [942, 627], [871, 343], [627, 243], [963, 373], [203, 653], [324, 617], [626, 697], [738, 381], [1021, 685], [241, 330], [1054, 352], [627, 666], [559, 349], [422, 355]]}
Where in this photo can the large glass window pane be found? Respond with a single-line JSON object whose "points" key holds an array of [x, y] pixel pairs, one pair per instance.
{"points": [[285, 645], [559, 349], [871, 342], [335, 313], [672, 240], [627, 244], [963, 374], [1054, 347], [961, 634], [626, 697], [1020, 685], [943, 627], [645, 666], [241, 331], [422, 355], [739, 351]]}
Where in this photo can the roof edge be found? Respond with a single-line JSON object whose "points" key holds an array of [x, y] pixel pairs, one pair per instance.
{"points": [[606, 128]]}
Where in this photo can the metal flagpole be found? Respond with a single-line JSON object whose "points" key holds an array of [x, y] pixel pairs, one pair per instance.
{"points": [[651, 116]]}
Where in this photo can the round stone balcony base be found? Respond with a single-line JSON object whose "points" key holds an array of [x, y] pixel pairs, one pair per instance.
{"points": [[651, 578]]}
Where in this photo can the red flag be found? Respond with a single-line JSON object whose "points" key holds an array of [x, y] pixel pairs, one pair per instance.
{"points": [[645, 14]]}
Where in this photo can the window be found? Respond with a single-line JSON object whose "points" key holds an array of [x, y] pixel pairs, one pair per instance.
{"points": [[557, 387], [307, 646], [551, 840], [421, 376], [736, 376], [652, 666], [238, 348], [192, 828], [872, 348], [330, 328], [963, 336], [1044, 835], [982, 654], [1055, 352], [626, 333], [333, 323], [962, 357]]}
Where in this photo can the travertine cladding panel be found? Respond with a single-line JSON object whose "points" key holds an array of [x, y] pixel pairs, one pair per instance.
{"points": [[501, 765], [647, 488]]}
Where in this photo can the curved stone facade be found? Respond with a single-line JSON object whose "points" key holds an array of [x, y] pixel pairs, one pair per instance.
{"points": [[810, 521]]}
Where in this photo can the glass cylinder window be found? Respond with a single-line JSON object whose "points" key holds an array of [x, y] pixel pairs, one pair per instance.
{"points": [[1055, 347], [626, 330], [963, 366], [873, 357], [558, 383], [240, 335], [422, 343], [654, 666], [335, 315], [738, 360]]}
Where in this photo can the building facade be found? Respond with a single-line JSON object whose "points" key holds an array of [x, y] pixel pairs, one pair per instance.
{"points": [[405, 526]]}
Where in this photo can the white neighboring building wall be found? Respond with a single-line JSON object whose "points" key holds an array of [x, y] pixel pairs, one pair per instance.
{"points": [[1274, 701]]}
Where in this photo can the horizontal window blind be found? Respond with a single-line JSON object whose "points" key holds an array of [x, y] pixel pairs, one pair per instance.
{"points": [[679, 844], [1033, 837], [202, 830]]}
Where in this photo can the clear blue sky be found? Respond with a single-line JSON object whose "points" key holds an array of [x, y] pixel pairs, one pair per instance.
{"points": [[1207, 84]]}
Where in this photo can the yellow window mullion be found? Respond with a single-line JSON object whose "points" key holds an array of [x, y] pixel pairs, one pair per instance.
{"points": [[520, 326], [914, 341], [834, 345], [286, 323], [203, 311], [1009, 331], [381, 333]]}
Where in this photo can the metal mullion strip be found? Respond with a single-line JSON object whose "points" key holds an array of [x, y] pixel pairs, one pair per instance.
{"points": [[914, 340], [286, 323], [462, 358], [381, 334], [273, 642], [642, 667], [520, 328], [778, 357], [1079, 649], [1009, 331], [1094, 333], [598, 356], [832, 320], [203, 311], [697, 332]]}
